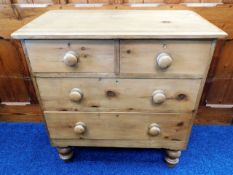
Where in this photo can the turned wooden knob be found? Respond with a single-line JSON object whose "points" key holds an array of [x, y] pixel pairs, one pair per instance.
{"points": [[80, 128], [76, 95], [158, 96], [154, 129], [164, 60], [70, 58]]}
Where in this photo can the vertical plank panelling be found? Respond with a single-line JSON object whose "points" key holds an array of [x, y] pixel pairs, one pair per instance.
{"points": [[36, 1], [190, 1], [46, 1], [76, 1], [22, 1], [12, 85], [133, 1], [29, 113], [211, 1], [225, 67], [227, 1], [8, 21], [220, 88], [25, 72], [5, 2], [211, 73], [207, 115], [172, 1], [15, 84], [98, 1], [228, 97], [153, 1]]}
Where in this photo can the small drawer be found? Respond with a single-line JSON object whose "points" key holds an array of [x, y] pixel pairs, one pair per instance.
{"points": [[121, 126], [165, 58], [81, 56], [126, 95]]}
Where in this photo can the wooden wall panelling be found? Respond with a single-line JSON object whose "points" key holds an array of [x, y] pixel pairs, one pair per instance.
{"points": [[28, 113], [207, 115], [167, 2], [15, 80], [211, 73], [8, 21], [12, 80], [5, 2], [224, 69], [26, 73], [71, 6], [172, 1], [77, 1], [190, 1], [211, 1], [46, 1], [220, 90], [22, 1], [99, 1], [227, 1], [35, 2], [133, 1], [91, 2], [228, 97]]}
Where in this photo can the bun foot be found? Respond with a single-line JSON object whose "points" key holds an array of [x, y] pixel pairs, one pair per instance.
{"points": [[65, 153], [172, 157]]}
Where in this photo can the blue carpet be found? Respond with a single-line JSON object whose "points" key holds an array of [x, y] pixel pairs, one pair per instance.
{"points": [[25, 149]]}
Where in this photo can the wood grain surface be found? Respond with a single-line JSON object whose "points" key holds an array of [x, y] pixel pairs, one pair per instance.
{"points": [[118, 24], [94, 56], [118, 126], [12, 77], [118, 94], [189, 58]]}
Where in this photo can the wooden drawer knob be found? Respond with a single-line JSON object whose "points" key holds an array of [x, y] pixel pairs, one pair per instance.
{"points": [[154, 129], [80, 128], [158, 96], [76, 95], [70, 58], [164, 60]]}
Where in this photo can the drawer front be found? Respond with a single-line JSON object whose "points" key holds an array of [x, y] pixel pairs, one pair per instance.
{"points": [[109, 95], [135, 126], [83, 56], [165, 58]]}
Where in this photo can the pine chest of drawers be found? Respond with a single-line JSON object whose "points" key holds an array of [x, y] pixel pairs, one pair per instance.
{"points": [[119, 78]]}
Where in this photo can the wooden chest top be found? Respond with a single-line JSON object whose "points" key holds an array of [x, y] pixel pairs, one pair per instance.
{"points": [[119, 24]]}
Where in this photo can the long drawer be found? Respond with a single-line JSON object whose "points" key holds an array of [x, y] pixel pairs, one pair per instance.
{"points": [[119, 126], [165, 58], [81, 56], [119, 95]]}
